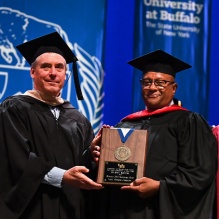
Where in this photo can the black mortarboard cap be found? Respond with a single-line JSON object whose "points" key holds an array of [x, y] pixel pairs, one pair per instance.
{"points": [[52, 42], [159, 61]]}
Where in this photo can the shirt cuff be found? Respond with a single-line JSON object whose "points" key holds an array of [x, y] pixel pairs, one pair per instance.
{"points": [[54, 177]]}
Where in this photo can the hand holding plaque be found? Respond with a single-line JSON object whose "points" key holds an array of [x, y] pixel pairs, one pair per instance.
{"points": [[122, 156]]}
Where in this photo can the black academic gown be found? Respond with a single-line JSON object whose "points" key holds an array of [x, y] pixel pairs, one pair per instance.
{"points": [[32, 142], [182, 155]]}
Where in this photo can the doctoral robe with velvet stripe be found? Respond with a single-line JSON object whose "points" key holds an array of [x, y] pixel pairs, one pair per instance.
{"points": [[31, 143], [182, 155]]}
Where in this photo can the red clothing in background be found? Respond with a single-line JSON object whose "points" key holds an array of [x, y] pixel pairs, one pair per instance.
{"points": [[216, 133]]}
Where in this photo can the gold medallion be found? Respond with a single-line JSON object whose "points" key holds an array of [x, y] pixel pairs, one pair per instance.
{"points": [[122, 153]]}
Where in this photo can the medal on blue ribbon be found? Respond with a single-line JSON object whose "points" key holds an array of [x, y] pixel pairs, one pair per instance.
{"points": [[123, 153]]}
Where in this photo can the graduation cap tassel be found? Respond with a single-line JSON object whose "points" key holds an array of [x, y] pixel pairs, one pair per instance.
{"points": [[76, 80]]}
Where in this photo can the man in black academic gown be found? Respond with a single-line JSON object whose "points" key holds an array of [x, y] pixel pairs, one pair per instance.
{"points": [[181, 160], [44, 141]]}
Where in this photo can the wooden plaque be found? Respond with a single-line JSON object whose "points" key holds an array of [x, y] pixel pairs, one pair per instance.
{"points": [[121, 163]]}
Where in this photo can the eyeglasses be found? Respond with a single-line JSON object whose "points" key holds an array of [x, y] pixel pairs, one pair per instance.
{"points": [[146, 83]]}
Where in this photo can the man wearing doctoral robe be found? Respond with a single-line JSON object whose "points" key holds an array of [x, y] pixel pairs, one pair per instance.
{"points": [[181, 155], [44, 141]]}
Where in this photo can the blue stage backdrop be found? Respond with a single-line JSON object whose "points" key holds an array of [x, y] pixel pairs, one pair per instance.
{"points": [[180, 28], [103, 32], [80, 23]]}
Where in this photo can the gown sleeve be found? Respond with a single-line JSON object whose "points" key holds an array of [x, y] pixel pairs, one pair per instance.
{"points": [[21, 171], [190, 188]]}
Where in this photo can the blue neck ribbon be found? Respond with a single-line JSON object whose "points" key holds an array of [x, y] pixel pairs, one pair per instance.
{"points": [[125, 137]]}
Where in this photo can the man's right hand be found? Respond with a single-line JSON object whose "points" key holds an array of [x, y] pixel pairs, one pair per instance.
{"points": [[76, 177]]}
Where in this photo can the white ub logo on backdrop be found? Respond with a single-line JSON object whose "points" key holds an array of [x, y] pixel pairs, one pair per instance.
{"points": [[16, 28]]}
